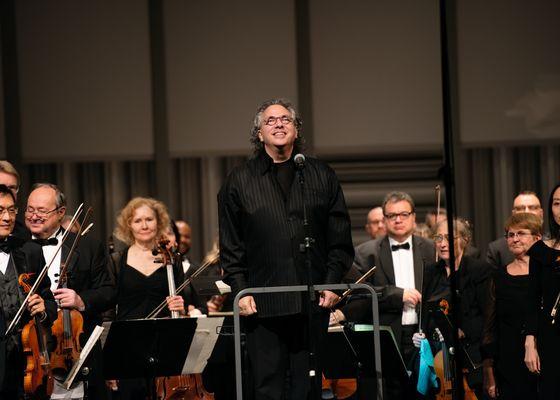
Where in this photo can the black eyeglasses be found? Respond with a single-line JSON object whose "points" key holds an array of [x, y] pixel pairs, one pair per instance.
{"points": [[284, 119], [403, 215]]}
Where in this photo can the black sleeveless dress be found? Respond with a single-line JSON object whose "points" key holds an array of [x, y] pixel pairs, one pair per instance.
{"points": [[138, 295]]}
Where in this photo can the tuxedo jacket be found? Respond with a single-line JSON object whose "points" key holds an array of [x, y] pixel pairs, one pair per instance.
{"points": [[377, 253], [28, 258], [88, 276]]}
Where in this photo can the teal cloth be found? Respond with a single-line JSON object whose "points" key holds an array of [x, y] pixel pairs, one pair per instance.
{"points": [[426, 374]]}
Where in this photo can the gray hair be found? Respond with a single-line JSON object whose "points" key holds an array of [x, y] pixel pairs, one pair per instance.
{"points": [[461, 228], [394, 197], [60, 199], [257, 123], [8, 168]]}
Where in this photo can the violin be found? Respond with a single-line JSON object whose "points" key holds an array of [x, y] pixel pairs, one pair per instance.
{"points": [[34, 342], [67, 330], [69, 324]]}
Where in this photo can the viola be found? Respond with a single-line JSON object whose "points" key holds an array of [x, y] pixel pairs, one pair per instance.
{"points": [[442, 366], [34, 341], [444, 370]]}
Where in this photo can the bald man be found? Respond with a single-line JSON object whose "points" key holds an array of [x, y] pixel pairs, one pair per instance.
{"points": [[375, 224]]}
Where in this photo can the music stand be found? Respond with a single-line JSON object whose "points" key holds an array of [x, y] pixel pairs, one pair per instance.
{"points": [[147, 348], [343, 364]]}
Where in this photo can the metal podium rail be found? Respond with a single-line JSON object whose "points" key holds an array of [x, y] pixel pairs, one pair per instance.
{"points": [[303, 288]]}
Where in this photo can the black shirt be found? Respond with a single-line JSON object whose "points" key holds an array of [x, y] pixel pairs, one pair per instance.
{"points": [[261, 230]]}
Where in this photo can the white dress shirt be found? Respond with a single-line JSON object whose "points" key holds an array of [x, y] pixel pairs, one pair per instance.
{"points": [[403, 264], [4, 260]]}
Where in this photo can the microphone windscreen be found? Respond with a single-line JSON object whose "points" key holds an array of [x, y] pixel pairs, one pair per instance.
{"points": [[299, 159]]}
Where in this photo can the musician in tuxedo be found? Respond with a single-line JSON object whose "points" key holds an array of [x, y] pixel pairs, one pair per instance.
{"points": [[89, 289], [498, 254], [17, 257], [260, 209], [400, 258]]}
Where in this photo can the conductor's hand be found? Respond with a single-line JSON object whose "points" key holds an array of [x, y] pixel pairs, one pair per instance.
{"points": [[328, 299], [411, 297], [247, 306]]}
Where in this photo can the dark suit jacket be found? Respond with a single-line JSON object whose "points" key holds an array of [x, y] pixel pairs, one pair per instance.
{"points": [[498, 254], [88, 275], [378, 252]]}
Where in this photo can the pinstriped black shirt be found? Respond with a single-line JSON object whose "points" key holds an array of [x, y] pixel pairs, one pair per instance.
{"points": [[261, 230]]}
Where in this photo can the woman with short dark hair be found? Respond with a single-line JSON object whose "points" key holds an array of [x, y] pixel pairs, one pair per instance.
{"points": [[505, 374]]}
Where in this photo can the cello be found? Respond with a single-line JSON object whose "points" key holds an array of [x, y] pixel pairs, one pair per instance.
{"points": [[180, 387], [34, 344]]}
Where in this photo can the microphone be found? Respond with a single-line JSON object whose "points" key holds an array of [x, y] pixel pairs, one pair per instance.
{"points": [[299, 159]]}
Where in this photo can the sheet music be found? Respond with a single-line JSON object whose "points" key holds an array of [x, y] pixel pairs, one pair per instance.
{"points": [[107, 328], [223, 287], [83, 355], [202, 345]]}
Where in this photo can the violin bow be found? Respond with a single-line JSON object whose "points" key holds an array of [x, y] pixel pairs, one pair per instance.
{"points": [[183, 285], [81, 232], [362, 278], [41, 275]]}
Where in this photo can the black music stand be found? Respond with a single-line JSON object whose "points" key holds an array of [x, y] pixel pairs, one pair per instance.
{"points": [[342, 363], [147, 348]]}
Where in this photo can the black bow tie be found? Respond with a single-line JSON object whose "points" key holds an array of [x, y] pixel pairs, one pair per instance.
{"points": [[9, 244], [405, 246], [46, 242], [5, 246]]}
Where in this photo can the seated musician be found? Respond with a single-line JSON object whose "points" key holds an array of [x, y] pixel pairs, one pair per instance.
{"points": [[141, 281], [471, 283], [17, 258]]}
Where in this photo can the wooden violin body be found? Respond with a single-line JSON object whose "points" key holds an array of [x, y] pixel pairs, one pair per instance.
{"points": [[34, 343], [340, 388], [67, 330], [182, 387]]}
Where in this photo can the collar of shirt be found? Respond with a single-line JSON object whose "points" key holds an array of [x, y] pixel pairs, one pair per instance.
{"points": [[394, 242], [58, 234], [4, 259], [264, 163]]}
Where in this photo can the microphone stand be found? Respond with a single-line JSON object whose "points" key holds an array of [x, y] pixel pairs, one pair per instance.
{"points": [[305, 248]]}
